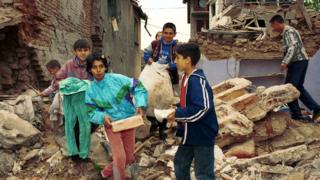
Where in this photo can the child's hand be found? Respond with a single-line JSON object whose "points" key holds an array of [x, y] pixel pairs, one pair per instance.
{"points": [[107, 121], [40, 94], [140, 111], [150, 61], [172, 117]]}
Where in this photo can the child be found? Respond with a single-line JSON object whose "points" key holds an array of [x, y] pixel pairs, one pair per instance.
{"points": [[77, 126], [163, 51], [158, 35], [53, 67], [196, 117], [109, 99]]}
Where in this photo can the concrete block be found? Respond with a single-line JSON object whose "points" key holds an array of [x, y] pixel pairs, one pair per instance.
{"points": [[286, 156], [231, 89], [230, 83], [234, 127], [255, 113], [243, 150], [129, 123], [276, 96], [246, 101], [231, 94], [274, 124]]}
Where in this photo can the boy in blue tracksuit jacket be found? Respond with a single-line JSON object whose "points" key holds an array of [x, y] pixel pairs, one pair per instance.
{"points": [[196, 117]]}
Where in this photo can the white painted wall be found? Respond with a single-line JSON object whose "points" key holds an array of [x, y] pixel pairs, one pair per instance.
{"points": [[312, 81]]}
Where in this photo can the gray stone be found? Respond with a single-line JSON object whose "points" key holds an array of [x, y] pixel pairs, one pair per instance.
{"points": [[159, 150], [13, 178], [6, 107], [7, 1], [146, 161], [143, 132], [23, 107], [55, 159], [6, 163], [98, 154], [316, 163], [286, 156], [16, 132], [31, 154]]}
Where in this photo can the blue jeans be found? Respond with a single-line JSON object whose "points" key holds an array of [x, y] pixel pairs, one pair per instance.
{"points": [[203, 162], [295, 75]]}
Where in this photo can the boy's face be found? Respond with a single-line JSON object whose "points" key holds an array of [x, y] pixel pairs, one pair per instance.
{"points": [[168, 34], [82, 53], [278, 27], [53, 71], [182, 63], [98, 70]]}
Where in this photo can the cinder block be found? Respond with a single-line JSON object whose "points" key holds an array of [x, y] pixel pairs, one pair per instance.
{"points": [[129, 123]]}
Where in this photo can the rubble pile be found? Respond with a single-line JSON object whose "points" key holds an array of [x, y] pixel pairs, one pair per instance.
{"points": [[254, 138], [248, 34], [266, 151], [30, 150], [257, 140]]}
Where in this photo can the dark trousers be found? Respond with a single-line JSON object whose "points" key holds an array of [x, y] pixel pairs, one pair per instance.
{"points": [[155, 124], [174, 76], [203, 162], [295, 75]]}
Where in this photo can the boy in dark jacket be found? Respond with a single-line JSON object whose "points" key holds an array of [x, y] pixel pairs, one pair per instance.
{"points": [[196, 117]]}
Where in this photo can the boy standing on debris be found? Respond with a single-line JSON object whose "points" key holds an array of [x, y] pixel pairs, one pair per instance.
{"points": [[196, 117], [109, 99], [163, 51], [72, 86], [53, 66], [295, 61]]}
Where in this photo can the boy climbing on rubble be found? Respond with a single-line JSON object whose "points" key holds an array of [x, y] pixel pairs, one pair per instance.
{"points": [[53, 66], [109, 99], [55, 110], [162, 51], [196, 117]]}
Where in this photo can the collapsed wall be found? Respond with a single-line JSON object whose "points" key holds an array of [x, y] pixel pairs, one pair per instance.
{"points": [[35, 32], [248, 33]]}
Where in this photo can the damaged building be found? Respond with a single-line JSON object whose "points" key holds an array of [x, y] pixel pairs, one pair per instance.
{"points": [[240, 42], [34, 32]]}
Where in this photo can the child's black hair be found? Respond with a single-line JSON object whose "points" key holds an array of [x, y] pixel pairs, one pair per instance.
{"points": [[169, 25], [96, 56], [277, 18], [53, 64], [189, 50], [80, 44]]}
